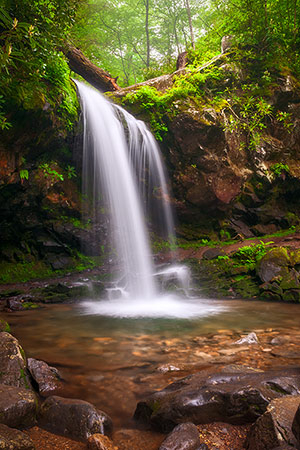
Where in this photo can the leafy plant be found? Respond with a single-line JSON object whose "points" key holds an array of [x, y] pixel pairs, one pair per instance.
{"points": [[278, 168], [49, 171]]}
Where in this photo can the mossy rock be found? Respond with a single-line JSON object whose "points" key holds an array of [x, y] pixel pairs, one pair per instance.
{"points": [[293, 295], [295, 257], [273, 287], [273, 264], [246, 287], [290, 281], [269, 295]]}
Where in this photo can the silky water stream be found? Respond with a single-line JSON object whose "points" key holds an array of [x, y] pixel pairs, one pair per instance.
{"points": [[137, 338]]}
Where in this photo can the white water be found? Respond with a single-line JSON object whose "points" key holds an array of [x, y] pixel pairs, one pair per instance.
{"points": [[122, 163]]}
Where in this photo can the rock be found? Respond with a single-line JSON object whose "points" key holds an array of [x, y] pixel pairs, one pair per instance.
{"points": [[167, 368], [296, 425], [13, 370], [99, 442], [293, 295], [12, 439], [14, 305], [274, 427], [184, 437], [203, 447], [274, 263], [279, 340], [18, 406], [212, 253], [251, 338], [235, 398], [74, 418], [46, 377]]}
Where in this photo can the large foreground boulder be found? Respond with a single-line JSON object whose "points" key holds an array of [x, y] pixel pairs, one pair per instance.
{"points": [[46, 377], [13, 370], [184, 437], [12, 439], [74, 418], [274, 428], [18, 406], [235, 398]]}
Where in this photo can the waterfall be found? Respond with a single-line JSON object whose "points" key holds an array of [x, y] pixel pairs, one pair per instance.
{"points": [[122, 163]]}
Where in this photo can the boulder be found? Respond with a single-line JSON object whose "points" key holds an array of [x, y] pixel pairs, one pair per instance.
{"points": [[99, 442], [235, 398], [274, 427], [274, 263], [184, 437], [12, 439], [46, 377], [296, 425], [13, 370], [18, 406], [74, 418], [14, 304]]}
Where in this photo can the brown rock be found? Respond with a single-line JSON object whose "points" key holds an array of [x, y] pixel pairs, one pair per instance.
{"points": [[99, 442], [46, 377], [184, 437], [18, 406], [296, 425], [13, 370], [12, 439], [274, 427], [73, 418]]}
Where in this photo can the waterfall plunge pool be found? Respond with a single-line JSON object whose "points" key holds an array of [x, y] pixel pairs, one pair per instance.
{"points": [[113, 362]]}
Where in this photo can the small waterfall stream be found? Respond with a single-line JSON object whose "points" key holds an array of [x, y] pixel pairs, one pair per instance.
{"points": [[122, 166]]}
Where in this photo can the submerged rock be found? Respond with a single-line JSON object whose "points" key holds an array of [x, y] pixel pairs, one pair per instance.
{"points": [[251, 338], [12, 439], [18, 406], [74, 418], [184, 437], [13, 370], [46, 377], [274, 427], [235, 398]]}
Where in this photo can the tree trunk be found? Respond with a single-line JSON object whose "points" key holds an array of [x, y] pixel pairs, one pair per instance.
{"points": [[188, 10], [147, 33], [90, 72]]}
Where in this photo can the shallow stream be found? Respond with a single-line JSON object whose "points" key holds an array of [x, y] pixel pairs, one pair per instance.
{"points": [[114, 362]]}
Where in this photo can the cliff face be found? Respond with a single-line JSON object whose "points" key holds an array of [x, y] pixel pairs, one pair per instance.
{"points": [[227, 179]]}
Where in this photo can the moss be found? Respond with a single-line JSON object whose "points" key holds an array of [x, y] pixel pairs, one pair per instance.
{"points": [[23, 271], [30, 305], [4, 326]]}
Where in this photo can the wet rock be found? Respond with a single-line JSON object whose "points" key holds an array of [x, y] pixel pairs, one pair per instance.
{"points": [[251, 338], [274, 263], [46, 377], [74, 418], [274, 427], [292, 295], [14, 305], [235, 398], [13, 370], [168, 368], [99, 442], [279, 340], [18, 406], [184, 437], [12, 439], [296, 425]]}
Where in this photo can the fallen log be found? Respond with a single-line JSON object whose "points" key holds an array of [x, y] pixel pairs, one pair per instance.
{"points": [[81, 65]]}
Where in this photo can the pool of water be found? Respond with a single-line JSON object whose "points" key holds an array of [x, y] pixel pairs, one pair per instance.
{"points": [[113, 362]]}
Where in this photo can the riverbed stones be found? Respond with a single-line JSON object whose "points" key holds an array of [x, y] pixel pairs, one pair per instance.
{"points": [[73, 418], [250, 339], [46, 377], [184, 437], [12, 439], [18, 406], [235, 398], [274, 427], [13, 370]]}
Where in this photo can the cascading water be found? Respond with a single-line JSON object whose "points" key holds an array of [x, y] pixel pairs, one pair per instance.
{"points": [[122, 163]]}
